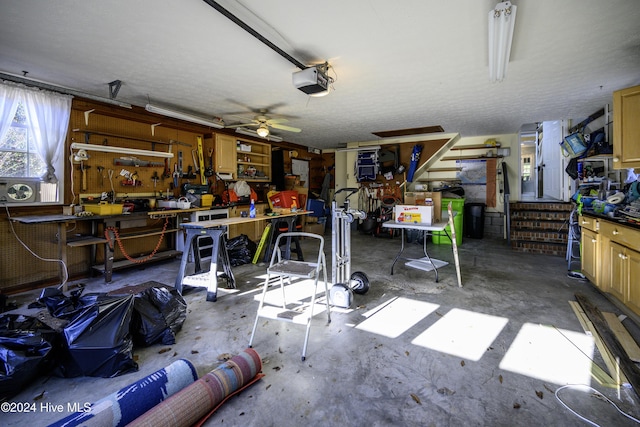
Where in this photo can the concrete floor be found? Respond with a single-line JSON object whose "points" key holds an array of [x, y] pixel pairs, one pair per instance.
{"points": [[411, 352]]}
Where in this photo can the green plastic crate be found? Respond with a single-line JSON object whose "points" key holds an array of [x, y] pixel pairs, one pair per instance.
{"points": [[441, 238], [456, 204]]}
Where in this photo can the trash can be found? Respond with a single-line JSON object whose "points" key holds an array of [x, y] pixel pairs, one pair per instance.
{"points": [[474, 220]]}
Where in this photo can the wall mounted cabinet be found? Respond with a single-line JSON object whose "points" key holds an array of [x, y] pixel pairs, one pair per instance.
{"points": [[626, 128], [242, 158]]}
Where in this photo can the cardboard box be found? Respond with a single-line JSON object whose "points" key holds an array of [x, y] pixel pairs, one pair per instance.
{"points": [[315, 228], [414, 214], [420, 198]]}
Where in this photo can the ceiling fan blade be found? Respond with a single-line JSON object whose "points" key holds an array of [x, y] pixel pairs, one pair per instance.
{"points": [[271, 122], [287, 128], [241, 125]]}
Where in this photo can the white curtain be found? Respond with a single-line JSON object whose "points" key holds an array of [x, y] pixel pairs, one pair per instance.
{"points": [[9, 99], [48, 114]]}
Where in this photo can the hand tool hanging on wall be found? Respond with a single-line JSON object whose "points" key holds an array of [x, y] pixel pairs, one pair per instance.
{"points": [[83, 169], [195, 160], [203, 179], [155, 179], [133, 161], [100, 175], [167, 168], [180, 163], [209, 170], [176, 175]]}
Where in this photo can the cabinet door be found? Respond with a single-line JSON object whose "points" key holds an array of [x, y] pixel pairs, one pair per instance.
{"points": [[632, 274], [590, 256], [626, 128], [617, 273], [225, 154]]}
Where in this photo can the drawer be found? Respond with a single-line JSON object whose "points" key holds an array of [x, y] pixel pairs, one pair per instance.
{"points": [[625, 236], [588, 222]]}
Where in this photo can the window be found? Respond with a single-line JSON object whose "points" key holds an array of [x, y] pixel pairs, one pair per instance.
{"points": [[33, 129], [18, 154]]}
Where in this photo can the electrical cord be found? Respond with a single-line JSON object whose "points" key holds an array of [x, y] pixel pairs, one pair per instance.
{"points": [[596, 394], [72, 191], [66, 271]]}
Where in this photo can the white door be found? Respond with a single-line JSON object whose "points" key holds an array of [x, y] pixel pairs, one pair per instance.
{"points": [[550, 161]]}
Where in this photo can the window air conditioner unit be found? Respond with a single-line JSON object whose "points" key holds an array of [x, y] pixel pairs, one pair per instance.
{"points": [[19, 190]]}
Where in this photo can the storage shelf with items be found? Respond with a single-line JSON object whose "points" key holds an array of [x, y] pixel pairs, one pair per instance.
{"points": [[253, 160]]}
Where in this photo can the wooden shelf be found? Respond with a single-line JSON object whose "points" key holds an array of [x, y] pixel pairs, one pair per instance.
{"points": [[160, 256], [471, 158], [443, 170], [85, 241], [473, 147]]}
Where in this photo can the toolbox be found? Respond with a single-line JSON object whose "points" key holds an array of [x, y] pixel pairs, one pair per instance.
{"points": [[104, 208]]}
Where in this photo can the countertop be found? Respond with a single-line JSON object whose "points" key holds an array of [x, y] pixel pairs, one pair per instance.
{"points": [[616, 220]]}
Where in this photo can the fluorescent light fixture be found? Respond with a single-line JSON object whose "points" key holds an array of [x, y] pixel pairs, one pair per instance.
{"points": [[120, 150], [502, 21], [363, 148], [183, 116], [251, 132]]}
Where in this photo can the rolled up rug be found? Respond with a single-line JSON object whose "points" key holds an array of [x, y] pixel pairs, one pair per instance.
{"points": [[128, 403], [196, 401]]}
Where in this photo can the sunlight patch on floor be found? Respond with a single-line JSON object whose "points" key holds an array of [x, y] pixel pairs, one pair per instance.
{"points": [[462, 333], [559, 356], [396, 317]]}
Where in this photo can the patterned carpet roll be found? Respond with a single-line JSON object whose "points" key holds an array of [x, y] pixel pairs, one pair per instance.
{"points": [[128, 403], [194, 402]]}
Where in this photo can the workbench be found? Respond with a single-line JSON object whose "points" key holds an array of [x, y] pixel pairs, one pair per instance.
{"points": [[428, 229], [216, 229]]}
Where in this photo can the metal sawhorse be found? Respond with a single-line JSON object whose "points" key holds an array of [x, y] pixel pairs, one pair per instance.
{"points": [[191, 255]]}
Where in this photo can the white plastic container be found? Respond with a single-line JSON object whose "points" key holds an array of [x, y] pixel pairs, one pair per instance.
{"points": [[183, 203]]}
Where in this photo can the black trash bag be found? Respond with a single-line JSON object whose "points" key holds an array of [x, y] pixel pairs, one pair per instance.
{"points": [[27, 350], [158, 315], [59, 304], [240, 250], [98, 342]]}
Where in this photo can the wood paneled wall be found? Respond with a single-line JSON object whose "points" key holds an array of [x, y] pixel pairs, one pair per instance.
{"points": [[20, 270]]}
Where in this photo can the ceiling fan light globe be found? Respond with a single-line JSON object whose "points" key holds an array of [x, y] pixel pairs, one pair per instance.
{"points": [[263, 131]]}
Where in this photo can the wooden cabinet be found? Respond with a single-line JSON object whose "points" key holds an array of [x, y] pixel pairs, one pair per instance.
{"points": [[620, 266], [631, 275], [253, 160], [626, 128], [242, 158], [590, 255], [616, 285], [225, 154]]}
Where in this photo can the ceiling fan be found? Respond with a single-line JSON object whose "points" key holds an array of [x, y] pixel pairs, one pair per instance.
{"points": [[263, 123]]}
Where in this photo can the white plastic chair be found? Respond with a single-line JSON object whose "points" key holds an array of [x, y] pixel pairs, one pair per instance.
{"points": [[284, 268]]}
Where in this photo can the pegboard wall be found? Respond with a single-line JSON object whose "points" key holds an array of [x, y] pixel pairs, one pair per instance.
{"points": [[102, 171]]}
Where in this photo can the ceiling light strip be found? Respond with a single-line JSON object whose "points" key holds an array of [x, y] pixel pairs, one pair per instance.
{"points": [[120, 150], [182, 116]]}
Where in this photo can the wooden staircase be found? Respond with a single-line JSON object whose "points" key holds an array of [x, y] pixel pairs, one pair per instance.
{"points": [[540, 227]]}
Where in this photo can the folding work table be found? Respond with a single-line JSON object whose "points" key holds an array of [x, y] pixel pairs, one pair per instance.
{"points": [[216, 229], [428, 230]]}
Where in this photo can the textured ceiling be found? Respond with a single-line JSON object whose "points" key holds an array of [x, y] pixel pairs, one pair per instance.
{"points": [[397, 65]]}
